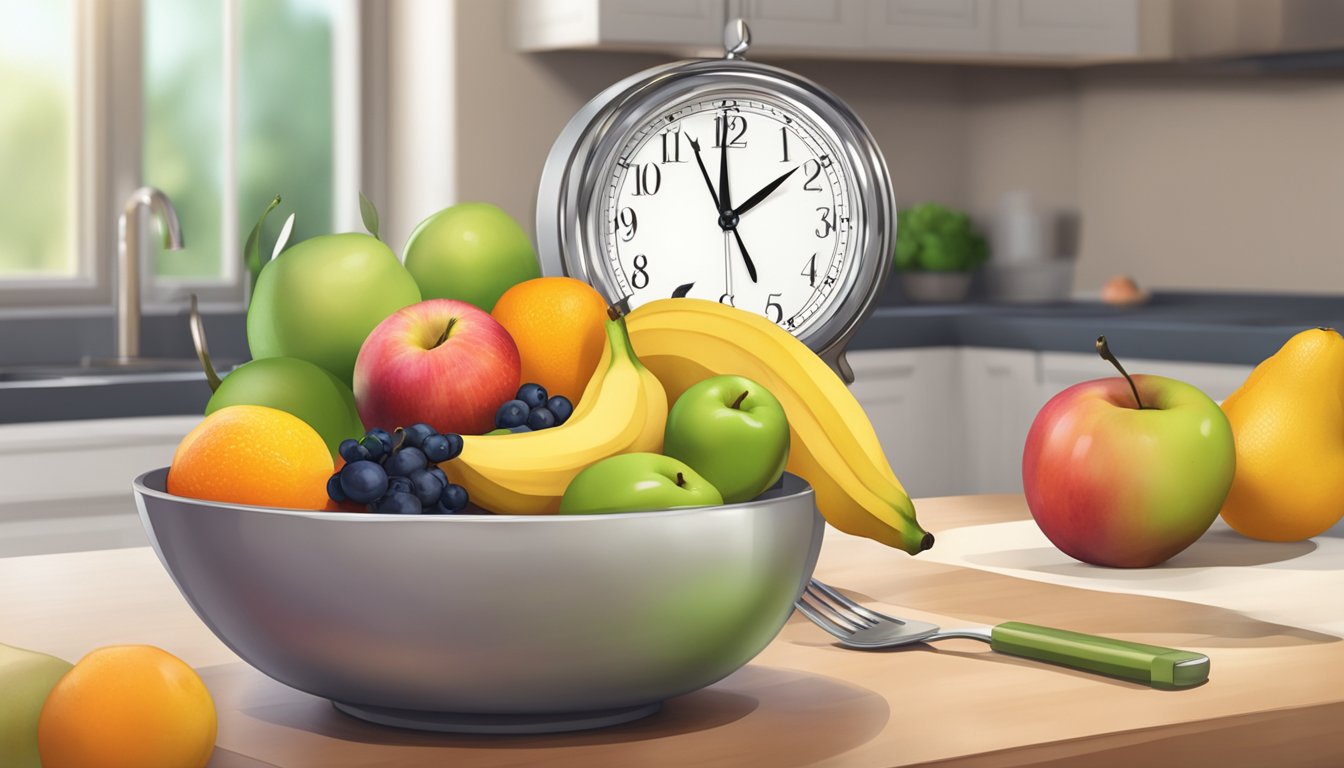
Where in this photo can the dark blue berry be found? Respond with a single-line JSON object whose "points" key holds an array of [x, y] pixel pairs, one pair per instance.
{"points": [[436, 448], [398, 485], [426, 487], [351, 450], [454, 445], [334, 491], [405, 461], [561, 407], [400, 504], [512, 414], [540, 418], [532, 394], [363, 481], [374, 447], [416, 434], [453, 498], [383, 437], [435, 471], [520, 428]]}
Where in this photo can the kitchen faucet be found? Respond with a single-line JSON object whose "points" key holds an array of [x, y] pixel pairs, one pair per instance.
{"points": [[128, 263]]}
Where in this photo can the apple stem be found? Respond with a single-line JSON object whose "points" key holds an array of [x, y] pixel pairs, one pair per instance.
{"points": [[681, 480], [738, 402], [444, 336], [1104, 350], [202, 351]]}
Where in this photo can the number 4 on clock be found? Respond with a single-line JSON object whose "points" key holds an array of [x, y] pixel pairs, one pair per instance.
{"points": [[810, 271]]}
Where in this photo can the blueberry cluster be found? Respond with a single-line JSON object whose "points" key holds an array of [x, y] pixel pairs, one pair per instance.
{"points": [[396, 474], [531, 410]]}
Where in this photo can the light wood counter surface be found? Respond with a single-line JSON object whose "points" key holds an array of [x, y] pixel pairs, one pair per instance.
{"points": [[1275, 695]]}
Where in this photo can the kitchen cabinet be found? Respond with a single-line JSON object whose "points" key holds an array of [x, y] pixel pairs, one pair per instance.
{"points": [[985, 31]]}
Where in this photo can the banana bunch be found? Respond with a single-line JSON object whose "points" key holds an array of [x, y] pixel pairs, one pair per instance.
{"points": [[832, 443], [623, 409]]}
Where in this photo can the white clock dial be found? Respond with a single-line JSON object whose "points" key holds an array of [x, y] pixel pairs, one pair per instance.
{"points": [[737, 200]]}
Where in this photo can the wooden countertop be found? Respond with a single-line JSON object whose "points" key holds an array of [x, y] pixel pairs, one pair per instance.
{"points": [[1275, 694]]}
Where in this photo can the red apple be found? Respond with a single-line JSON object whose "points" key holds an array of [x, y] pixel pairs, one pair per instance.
{"points": [[1110, 483], [443, 362]]}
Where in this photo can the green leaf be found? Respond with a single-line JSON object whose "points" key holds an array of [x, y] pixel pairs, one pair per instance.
{"points": [[252, 248], [369, 213]]}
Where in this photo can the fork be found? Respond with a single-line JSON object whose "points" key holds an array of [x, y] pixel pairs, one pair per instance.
{"points": [[863, 628]]}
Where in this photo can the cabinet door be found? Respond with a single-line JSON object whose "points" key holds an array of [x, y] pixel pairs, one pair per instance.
{"points": [[1001, 395], [912, 399], [784, 25], [1068, 27], [940, 26]]}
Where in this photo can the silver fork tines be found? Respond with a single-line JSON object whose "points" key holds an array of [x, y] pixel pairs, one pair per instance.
{"points": [[836, 613]]}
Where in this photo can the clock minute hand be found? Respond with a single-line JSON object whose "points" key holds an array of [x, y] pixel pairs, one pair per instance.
{"points": [[763, 193], [746, 258], [695, 145]]}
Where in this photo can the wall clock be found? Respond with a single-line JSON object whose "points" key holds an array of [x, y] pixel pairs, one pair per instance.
{"points": [[728, 180]]}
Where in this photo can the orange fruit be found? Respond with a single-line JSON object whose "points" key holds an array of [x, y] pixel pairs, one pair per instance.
{"points": [[559, 325], [127, 706], [251, 454]]}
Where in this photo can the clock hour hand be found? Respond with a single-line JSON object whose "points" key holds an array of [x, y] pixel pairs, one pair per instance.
{"points": [[695, 145], [762, 194]]}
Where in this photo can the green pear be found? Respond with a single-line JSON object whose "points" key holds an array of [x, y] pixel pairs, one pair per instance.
{"points": [[319, 300], [297, 387], [26, 677]]}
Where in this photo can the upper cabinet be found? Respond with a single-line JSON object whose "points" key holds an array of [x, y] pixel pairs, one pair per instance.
{"points": [[990, 31]]}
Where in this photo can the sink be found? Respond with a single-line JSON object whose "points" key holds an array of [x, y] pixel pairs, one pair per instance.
{"points": [[155, 368]]}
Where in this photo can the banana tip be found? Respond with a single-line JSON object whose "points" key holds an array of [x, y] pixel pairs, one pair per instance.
{"points": [[926, 542]]}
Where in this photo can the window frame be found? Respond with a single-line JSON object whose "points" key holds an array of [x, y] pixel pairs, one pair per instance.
{"points": [[107, 145]]}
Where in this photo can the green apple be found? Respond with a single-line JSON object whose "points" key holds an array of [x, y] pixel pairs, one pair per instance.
{"points": [[318, 300], [731, 430], [636, 482], [471, 252], [26, 677], [297, 387]]}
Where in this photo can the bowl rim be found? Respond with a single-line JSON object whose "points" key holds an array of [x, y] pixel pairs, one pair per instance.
{"points": [[141, 486]]}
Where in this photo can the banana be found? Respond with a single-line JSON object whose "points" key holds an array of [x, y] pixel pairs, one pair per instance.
{"points": [[832, 443], [623, 409]]}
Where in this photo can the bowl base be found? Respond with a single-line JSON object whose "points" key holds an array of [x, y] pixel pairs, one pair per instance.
{"points": [[462, 722]]}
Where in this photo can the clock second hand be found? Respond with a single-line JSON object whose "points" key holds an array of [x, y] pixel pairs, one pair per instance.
{"points": [[727, 270]]}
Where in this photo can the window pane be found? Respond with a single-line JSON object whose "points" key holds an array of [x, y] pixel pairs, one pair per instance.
{"points": [[285, 114], [36, 147], [184, 127]]}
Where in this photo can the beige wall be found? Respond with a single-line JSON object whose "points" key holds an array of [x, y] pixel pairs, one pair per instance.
{"points": [[1184, 180]]}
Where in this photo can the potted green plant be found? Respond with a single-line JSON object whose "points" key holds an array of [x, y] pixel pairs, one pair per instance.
{"points": [[937, 251]]}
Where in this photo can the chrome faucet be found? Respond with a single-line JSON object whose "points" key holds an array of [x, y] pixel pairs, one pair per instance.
{"points": [[128, 262]]}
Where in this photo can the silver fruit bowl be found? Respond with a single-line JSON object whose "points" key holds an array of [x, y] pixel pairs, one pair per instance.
{"points": [[490, 623]]}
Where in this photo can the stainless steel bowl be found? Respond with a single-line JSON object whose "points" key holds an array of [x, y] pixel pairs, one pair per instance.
{"points": [[485, 623]]}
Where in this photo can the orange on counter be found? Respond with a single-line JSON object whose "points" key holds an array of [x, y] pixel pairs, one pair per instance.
{"points": [[251, 454], [559, 326], [127, 706]]}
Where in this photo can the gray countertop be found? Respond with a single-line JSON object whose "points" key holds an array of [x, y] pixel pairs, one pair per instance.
{"points": [[1215, 328]]}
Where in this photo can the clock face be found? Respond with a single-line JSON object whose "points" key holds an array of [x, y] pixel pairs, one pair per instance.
{"points": [[736, 200]]}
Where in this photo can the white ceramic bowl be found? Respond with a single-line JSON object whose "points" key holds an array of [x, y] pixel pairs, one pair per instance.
{"points": [[490, 623]]}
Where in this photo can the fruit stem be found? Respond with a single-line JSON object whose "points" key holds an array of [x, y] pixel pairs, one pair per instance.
{"points": [[681, 480], [737, 404], [1104, 350], [446, 331], [202, 351]]}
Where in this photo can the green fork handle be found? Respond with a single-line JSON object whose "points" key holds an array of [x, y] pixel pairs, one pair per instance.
{"points": [[1150, 664]]}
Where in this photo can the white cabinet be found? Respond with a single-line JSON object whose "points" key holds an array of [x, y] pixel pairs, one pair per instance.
{"points": [[1000, 394], [677, 25], [913, 399], [1068, 27], [1217, 380], [799, 25], [934, 26]]}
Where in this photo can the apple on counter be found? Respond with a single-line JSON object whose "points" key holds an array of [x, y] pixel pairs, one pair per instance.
{"points": [[636, 482], [732, 431], [1127, 471], [441, 362]]}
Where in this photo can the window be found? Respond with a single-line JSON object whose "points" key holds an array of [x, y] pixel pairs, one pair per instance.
{"points": [[222, 104]]}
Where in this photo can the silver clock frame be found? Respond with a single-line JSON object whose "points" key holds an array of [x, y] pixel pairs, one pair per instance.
{"points": [[570, 221]]}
